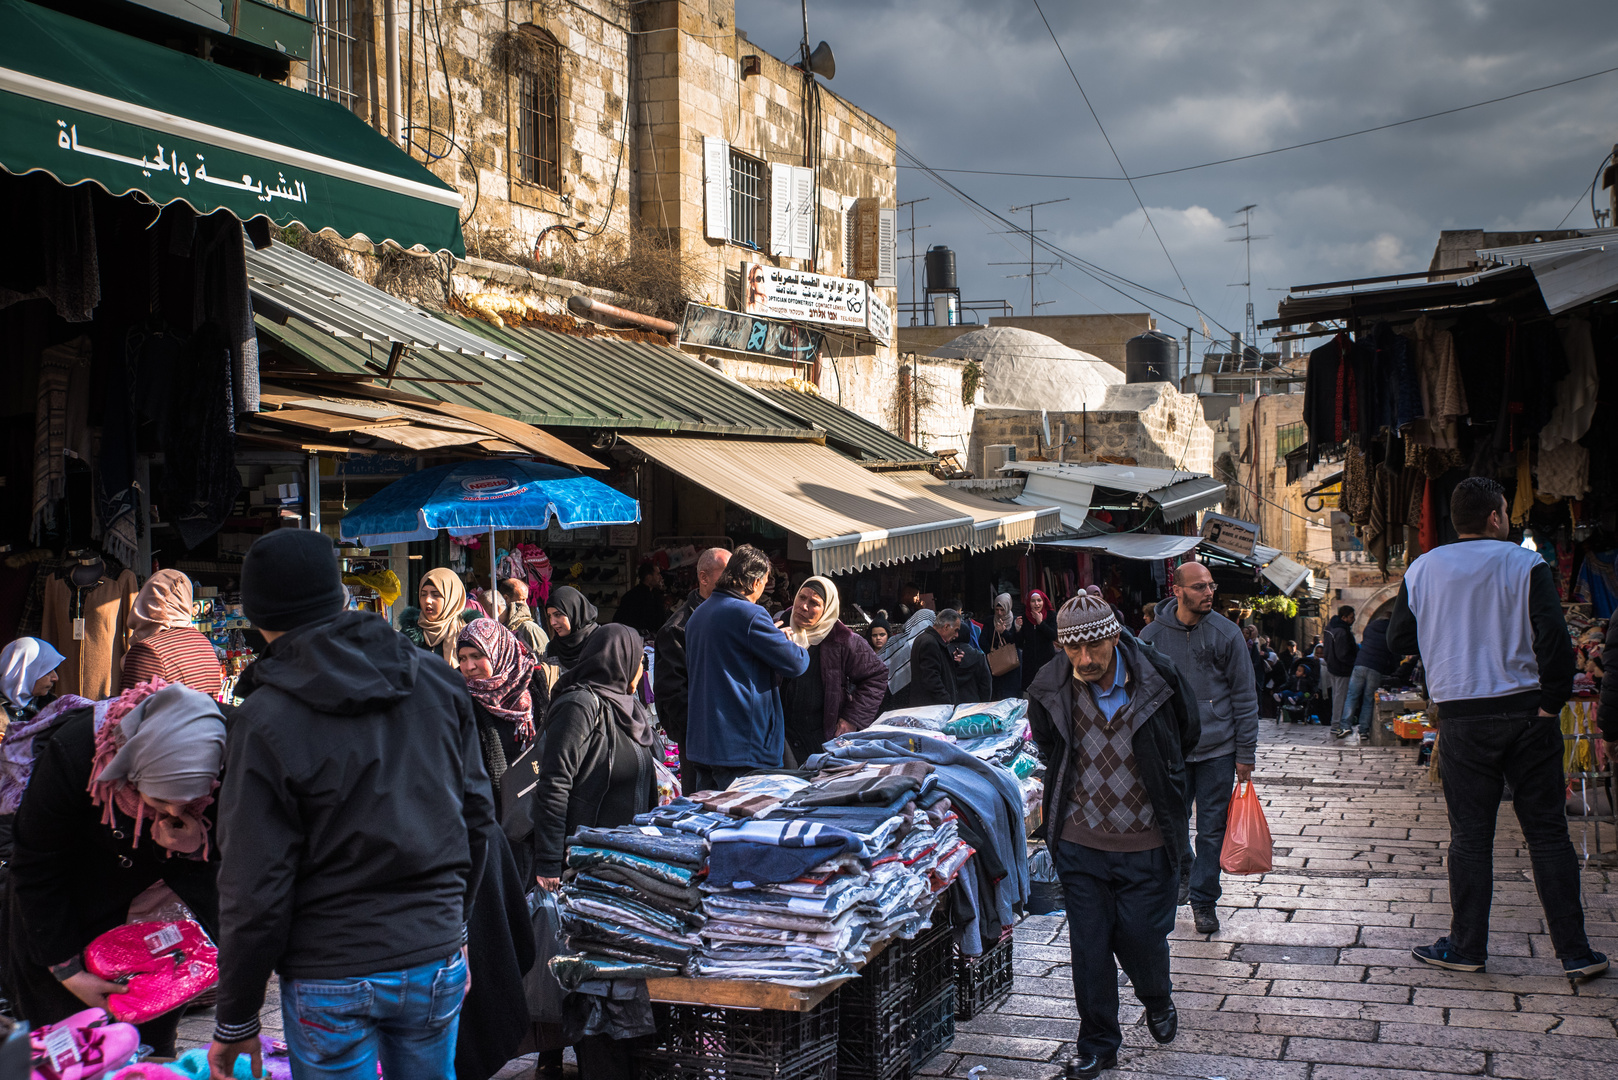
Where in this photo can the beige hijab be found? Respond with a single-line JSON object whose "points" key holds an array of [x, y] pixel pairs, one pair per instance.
{"points": [[163, 603], [1002, 613], [814, 635], [442, 631]]}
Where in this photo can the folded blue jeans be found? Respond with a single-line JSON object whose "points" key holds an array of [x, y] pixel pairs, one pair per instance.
{"points": [[338, 1029]]}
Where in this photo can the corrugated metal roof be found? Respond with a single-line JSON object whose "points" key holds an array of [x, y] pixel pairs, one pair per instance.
{"points": [[1569, 272], [871, 444], [852, 518], [565, 381], [1136, 479], [287, 284], [1592, 239]]}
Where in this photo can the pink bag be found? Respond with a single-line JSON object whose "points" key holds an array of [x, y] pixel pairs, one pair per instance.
{"points": [[166, 964], [1248, 849], [84, 1046]]}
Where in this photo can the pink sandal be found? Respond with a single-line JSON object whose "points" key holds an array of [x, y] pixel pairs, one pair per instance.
{"points": [[82, 1047]]}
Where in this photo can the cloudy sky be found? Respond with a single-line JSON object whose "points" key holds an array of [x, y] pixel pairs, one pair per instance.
{"points": [[979, 85]]}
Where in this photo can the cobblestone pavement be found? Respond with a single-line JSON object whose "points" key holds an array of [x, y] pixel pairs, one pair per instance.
{"points": [[1310, 977]]}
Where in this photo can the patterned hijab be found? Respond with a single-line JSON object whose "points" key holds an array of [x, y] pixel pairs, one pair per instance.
{"points": [[164, 603], [505, 693], [440, 632]]}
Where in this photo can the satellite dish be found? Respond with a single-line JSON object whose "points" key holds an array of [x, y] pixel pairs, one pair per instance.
{"points": [[822, 62]]}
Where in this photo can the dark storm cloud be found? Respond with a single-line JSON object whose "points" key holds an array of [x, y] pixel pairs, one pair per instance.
{"points": [[977, 84]]}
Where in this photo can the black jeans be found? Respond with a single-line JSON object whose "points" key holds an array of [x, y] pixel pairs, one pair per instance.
{"points": [[1210, 784], [1476, 756], [1119, 903]]}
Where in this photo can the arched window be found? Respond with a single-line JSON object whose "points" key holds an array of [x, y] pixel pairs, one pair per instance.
{"points": [[539, 99]]}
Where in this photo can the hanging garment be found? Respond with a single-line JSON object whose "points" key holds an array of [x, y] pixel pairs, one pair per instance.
{"points": [[1428, 537], [1402, 400], [1598, 583], [1356, 486], [1564, 471], [51, 246], [1523, 501], [200, 487], [1443, 395], [50, 441], [93, 667], [1576, 393], [219, 267], [1320, 396], [1395, 511]]}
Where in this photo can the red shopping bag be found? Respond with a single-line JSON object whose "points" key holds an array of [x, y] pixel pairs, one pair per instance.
{"points": [[1247, 835]]}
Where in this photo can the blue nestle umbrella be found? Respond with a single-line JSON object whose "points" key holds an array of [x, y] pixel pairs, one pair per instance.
{"points": [[476, 497]]}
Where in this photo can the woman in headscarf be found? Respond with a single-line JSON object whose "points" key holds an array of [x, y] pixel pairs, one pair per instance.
{"points": [[436, 624], [879, 632], [843, 687], [572, 620], [1036, 634], [1007, 684], [27, 678], [120, 798], [596, 763], [499, 675], [165, 644], [27, 681]]}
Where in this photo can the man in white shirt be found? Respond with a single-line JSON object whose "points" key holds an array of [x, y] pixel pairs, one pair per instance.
{"points": [[1484, 615]]}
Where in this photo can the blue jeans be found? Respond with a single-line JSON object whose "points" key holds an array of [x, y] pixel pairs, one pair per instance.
{"points": [[1359, 701], [339, 1028], [1209, 783]]}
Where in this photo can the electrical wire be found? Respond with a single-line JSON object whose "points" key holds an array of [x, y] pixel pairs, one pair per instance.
{"points": [[1590, 190], [1114, 151]]}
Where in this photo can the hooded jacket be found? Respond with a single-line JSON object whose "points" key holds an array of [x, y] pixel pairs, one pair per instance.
{"points": [[1162, 743], [1341, 649], [354, 815], [932, 671], [1215, 660]]}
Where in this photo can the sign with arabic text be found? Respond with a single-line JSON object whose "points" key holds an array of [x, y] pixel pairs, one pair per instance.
{"points": [[1229, 535], [804, 296], [716, 328], [878, 317]]}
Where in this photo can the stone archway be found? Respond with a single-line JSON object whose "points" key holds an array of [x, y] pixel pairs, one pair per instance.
{"points": [[1376, 605]]}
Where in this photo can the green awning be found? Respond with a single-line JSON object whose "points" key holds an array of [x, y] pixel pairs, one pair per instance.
{"points": [[85, 103]]}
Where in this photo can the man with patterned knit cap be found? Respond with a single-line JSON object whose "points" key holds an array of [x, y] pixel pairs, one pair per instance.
{"points": [[1114, 721]]}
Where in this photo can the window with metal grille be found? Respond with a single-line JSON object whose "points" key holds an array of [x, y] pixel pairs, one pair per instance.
{"points": [[1288, 437], [747, 200], [539, 158], [331, 61]]}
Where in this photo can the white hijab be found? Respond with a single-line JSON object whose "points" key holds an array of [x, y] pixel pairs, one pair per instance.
{"points": [[22, 664], [815, 634]]}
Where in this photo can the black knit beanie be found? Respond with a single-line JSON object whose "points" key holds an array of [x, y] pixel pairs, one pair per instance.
{"points": [[290, 578]]}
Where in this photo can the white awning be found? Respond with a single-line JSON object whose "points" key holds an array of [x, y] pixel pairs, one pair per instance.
{"points": [[1070, 486], [1286, 575], [1143, 546], [996, 523]]}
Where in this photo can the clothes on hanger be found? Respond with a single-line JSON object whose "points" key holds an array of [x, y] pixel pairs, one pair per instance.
{"points": [[94, 649]]}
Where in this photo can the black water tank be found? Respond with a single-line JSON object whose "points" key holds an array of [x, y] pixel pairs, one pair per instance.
{"points": [[1152, 357], [940, 268]]}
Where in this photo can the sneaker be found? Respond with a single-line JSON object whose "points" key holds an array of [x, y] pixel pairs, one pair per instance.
{"points": [[1206, 917], [1355, 741], [1441, 954], [1339, 734], [1587, 967]]}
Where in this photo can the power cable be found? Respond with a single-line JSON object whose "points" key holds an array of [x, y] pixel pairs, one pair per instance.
{"points": [[1114, 151], [1590, 190]]}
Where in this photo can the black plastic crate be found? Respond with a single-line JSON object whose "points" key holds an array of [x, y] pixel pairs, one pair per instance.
{"points": [[932, 1027], [874, 1044], [982, 982], [885, 981], [703, 1042], [932, 958]]}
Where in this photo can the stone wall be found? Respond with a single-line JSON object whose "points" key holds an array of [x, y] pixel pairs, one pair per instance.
{"points": [[1151, 423]]}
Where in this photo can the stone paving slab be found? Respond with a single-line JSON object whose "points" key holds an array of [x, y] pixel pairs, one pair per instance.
{"points": [[1311, 977]]}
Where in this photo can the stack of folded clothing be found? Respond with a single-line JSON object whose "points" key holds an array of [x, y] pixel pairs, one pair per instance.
{"points": [[631, 895]]}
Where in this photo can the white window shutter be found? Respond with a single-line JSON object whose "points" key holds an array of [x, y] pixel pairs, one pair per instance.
{"points": [[781, 210], [803, 212], [887, 274], [716, 186]]}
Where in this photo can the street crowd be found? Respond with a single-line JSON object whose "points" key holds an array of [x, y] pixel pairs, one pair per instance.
{"points": [[365, 823]]}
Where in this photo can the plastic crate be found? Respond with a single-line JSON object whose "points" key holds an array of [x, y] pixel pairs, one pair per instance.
{"points": [[702, 1042], [885, 981], [982, 982], [932, 958], [932, 1027], [874, 1044]]}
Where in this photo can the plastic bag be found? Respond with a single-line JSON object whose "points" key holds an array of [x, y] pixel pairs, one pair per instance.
{"points": [[977, 719], [1247, 835], [540, 986]]}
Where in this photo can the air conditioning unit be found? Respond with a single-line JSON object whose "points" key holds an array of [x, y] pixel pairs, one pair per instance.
{"points": [[994, 457]]}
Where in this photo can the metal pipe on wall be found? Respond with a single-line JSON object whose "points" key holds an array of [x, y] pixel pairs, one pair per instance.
{"points": [[390, 32]]}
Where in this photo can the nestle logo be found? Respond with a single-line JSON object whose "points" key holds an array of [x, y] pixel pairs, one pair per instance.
{"points": [[487, 483]]}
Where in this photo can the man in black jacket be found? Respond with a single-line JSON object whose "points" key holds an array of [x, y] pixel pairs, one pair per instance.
{"points": [[670, 683], [1114, 721], [1341, 649], [932, 670], [1484, 615], [973, 680], [355, 814]]}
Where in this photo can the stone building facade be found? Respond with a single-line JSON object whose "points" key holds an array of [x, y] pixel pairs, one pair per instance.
{"points": [[1147, 424], [576, 131]]}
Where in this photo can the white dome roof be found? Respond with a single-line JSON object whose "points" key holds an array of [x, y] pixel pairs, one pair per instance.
{"points": [[1025, 370]]}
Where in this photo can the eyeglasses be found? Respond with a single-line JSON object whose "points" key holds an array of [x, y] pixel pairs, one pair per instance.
{"points": [[1206, 586]]}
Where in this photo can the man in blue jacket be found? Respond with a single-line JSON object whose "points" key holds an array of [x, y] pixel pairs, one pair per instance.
{"points": [[736, 658]]}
